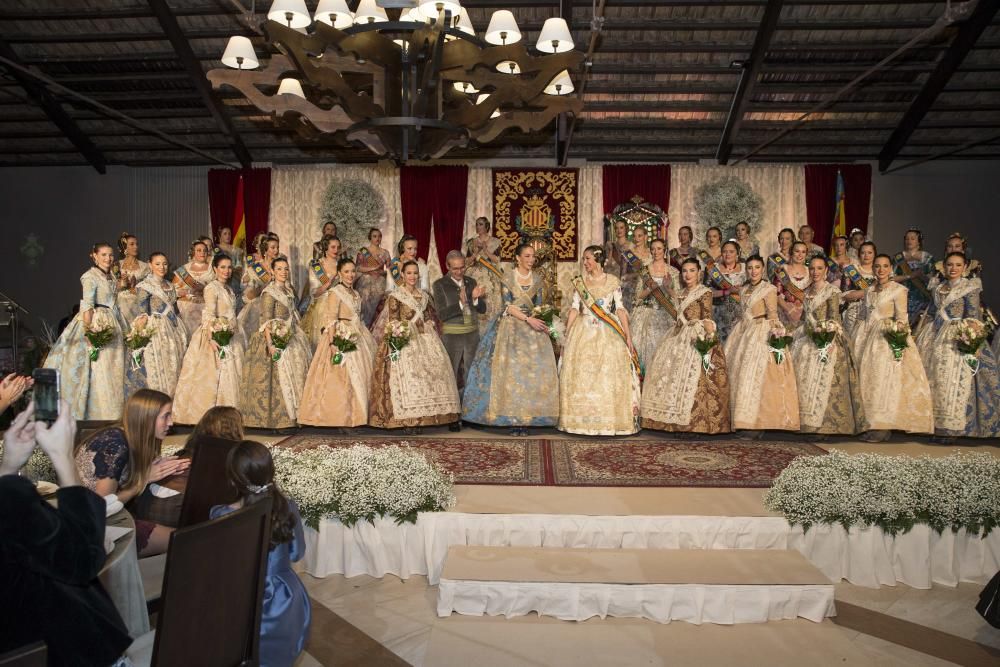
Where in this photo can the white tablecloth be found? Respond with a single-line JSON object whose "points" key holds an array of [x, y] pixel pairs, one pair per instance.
{"points": [[123, 580]]}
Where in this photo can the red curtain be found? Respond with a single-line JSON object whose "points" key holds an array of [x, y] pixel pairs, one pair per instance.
{"points": [[434, 194], [624, 181], [223, 188], [821, 197]]}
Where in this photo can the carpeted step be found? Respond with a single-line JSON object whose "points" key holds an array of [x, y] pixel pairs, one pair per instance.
{"points": [[697, 586]]}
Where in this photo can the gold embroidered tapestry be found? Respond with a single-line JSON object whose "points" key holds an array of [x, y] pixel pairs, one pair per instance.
{"points": [[536, 203]]}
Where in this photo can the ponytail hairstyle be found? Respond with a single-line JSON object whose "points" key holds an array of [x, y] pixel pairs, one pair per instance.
{"points": [[123, 242], [250, 469]]}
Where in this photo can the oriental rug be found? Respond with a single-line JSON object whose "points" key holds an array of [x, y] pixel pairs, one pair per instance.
{"points": [[593, 462]]}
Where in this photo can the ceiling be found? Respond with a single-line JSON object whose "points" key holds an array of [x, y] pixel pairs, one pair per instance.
{"points": [[664, 85]]}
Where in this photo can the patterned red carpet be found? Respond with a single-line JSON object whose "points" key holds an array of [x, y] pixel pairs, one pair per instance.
{"points": [[542, 462]]}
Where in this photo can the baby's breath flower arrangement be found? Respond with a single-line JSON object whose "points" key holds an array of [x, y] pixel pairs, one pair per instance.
{"points": [[361, 483], [891, 492]]}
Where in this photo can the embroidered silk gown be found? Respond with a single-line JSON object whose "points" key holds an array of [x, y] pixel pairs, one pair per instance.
{"points": [[371, 280], [679, 394], [255, 279], [318, 314], [829, 400], [270, 391], [337, 394], [598, 385], [852, 310], [486, 278], [918, 296], [162, 358], [966, 403], [649, 320], [790, 291], [418, 389], [896, 394], [206, 379], [128, 298], [513, 379], [762, 391], [94, 389], [726, 310], [190, 295]]}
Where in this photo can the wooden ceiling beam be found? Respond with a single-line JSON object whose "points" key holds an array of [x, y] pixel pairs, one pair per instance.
{"points": [[951, 61], [183, 48], [750, 71], [55, 112]]}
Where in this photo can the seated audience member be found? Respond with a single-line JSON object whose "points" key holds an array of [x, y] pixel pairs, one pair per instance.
{"points": [[161, 503], [123, 458], [12, 388], [50, 556], [287, 614]]}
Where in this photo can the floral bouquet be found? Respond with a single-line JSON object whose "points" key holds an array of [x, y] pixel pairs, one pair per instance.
{"points": [[704, 342], [137, 340], [397, 336], [548, 314], [822, 335], [281, 333], [222, 333], [100, 332], [778, 341], [896, 334], [345, 340], [969, 335]]}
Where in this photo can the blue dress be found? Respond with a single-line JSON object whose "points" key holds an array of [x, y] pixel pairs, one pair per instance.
{"points": [[284, 624]]}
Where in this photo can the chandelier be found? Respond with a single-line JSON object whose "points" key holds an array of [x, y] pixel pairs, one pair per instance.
{"points": [[411, 88]]}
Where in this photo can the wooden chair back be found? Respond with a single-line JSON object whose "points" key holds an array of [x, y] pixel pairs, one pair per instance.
{"points": [[207, 483]]}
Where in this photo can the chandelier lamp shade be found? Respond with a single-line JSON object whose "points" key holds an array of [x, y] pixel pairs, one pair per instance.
{"points": [[407, 88]]}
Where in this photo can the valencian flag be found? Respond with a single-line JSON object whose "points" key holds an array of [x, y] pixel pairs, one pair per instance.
{"points": [[839, 216], [239, 219]]}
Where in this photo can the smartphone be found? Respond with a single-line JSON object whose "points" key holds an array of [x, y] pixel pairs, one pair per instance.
{"points": [[46, 394]]}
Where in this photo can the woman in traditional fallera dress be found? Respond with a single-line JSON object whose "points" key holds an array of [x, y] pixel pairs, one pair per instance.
{"points": [[652, 315], [838, 261], [189, 281], [713, 248], [322, 277], [684, 391], [235, 253], [965, 390], [827, 380], [856, 238], [914, 267], [163, 355], [786, 237], [954, 243], [614, 249], [372, 265], [748, 243], [257, 275], [725, 278], [483, 253], [791, 279], [599, 371], [415, 387], [273, 378], [634, 263], [407, 248], [93, 388], [858, 277], [685, 249], [129, 271], [512, 380], [895, 392], [336, 390], [210, 375], [763, 394]]}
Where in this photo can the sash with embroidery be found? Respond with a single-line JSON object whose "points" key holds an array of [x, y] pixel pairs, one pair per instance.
{"points": [[777, 259], [706, 259], [317, 270], [858, 281], [656, 291], [492, 268], [720, 280], [790, 287], [631, 259], [396, 270], [183, 278], [904, 266], [605, 317], [258, 269]]}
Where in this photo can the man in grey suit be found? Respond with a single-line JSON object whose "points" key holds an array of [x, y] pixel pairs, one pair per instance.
{"points": [[456, 296]]}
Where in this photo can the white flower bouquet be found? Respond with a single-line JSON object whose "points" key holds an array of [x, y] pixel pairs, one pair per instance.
{"points": [[222, 332], [361, 483], [969, 335], [891, 492], [547, 313], [822, 335], [704, 341], [281, 334], [778, 341], [397, 336], [896, 334], [138, 338], [345, 340], [100, 332]]}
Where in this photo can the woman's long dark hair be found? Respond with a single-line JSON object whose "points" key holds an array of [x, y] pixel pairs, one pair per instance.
{"points": [[251, 470]]}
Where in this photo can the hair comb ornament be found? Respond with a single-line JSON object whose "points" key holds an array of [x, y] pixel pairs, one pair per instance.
{"points": [[254, 488]]}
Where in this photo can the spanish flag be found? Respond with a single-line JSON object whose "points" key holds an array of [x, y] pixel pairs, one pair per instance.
{"points": [[239, 219], [839, 215]]}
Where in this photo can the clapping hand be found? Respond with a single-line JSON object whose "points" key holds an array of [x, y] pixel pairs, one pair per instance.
{"points": [[12, 388], [165, 466], [478, 291], [18, 442]]}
